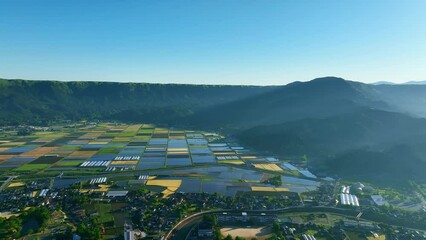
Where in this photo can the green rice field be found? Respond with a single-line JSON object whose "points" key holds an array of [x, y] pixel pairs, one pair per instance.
{"points": [[200, 161]]}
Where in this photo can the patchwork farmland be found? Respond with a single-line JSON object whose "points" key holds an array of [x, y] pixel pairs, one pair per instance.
{"points": [[145, 154]]}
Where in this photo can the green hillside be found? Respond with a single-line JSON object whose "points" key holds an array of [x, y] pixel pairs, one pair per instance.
{"points": [[341, 126], [36, 101]]}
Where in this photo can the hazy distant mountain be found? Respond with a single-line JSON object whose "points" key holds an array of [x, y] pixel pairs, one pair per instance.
{"points": [[319, 98], [416, 82], [358, 144], [409, 99], [406, 83], [324, 136], [383, 83]]}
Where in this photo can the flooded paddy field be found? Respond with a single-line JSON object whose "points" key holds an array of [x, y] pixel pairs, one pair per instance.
{"points": [[199, 161]]}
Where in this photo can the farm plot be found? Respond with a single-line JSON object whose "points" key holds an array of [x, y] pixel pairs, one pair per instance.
{"points": [[151, 163], [170, 185], [2, 149], [32, 167], [47, 159], [21, 149], [269, 167], [85, 154], [200, 153], [268, 189], [177, 154], [18, 160], [203, 158], [69, 163], [11, 144]]}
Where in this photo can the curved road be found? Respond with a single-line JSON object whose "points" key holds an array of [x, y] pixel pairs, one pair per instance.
{"points": [[346, 212], [189, 219], [195, 216]]}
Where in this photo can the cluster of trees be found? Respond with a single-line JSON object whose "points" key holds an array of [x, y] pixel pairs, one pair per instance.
{"points": [[275, 180], [12, 227], [25, 131], [89, 232], [396, 216], [276, 232]]}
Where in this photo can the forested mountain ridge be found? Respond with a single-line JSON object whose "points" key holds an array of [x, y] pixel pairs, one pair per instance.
{"points": [[319, 98], [340, 125], [23, 100]]}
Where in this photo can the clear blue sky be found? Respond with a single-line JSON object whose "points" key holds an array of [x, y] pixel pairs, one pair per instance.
{"points": [[219, 41]]}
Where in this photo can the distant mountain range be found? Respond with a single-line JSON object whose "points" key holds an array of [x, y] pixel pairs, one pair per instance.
{"points": [[346, 128], [416, 82], [406, 83]]}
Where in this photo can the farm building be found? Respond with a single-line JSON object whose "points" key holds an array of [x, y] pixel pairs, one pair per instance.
{"points": [[112, 194]]}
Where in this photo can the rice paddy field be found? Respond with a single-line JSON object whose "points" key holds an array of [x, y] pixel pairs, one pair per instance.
{"points": [[174, 160]]}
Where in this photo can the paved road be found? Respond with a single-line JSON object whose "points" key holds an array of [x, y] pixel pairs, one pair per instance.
{"points": [[342, 211], [189, 219], [6, 182]]}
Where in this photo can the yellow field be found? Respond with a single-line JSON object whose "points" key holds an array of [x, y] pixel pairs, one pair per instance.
{"points": [[260, 233], [269, 189], [8, 214], [124, 162], [236, 162], [133, 128], [38, 152], [94, 142], [83, 153], [380, 237], [161, 130], [16, 184], [177, 153], [269, 167], [177, 149], [102, 188], [251, 181], [176, 137], [171, 185], [13, 143], [4, 157], [48, 136]]}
